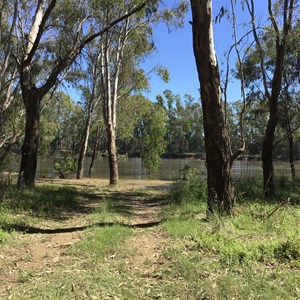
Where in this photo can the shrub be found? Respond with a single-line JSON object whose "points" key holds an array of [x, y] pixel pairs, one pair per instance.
{"points": [[65, 167], [191, 188]]}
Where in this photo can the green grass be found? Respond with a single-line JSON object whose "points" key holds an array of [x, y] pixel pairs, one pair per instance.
{"points": [[3, 236], [22, 208], [252, 255], [44, 200], [108, 212], [101, 242], [91, 269]]}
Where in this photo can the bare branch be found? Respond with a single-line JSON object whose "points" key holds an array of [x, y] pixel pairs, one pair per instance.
{"points": [[241, 71]]}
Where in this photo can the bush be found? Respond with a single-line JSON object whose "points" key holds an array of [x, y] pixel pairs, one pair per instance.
{"points": [[191, 188], [65, 167]]}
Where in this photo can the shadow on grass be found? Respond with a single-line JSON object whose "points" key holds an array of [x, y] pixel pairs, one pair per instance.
{"points": [[131, 204], [53, 202], [35, 230]]}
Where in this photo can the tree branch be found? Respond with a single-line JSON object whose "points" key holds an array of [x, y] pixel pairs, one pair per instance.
{"points": [[262, 63], [74, 52]]}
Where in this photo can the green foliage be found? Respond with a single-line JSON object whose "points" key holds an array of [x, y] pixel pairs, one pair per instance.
{"points": [[184, 129], [153, 144], [65, 166], [163, 73]]}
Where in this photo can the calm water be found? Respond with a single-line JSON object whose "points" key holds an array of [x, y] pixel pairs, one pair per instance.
{"points": [[133, 168]]}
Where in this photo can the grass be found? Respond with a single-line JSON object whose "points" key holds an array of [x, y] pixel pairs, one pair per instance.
{"points": [[22, 208], [84, 272], [253, 255], [101, 242], [43, 200]]}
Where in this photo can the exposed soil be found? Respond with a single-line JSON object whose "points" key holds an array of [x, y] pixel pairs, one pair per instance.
{"points": [[30, 254]]}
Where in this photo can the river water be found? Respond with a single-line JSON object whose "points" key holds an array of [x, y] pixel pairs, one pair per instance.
{"points": [[133, 168]]}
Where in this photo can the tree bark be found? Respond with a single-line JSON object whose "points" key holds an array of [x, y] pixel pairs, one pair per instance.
{"points": [[31, 140], [111, 67], [217, 144], [268, 142], [112, 156], [31, 95], [96, 144], [290, 135], [84, 144]]}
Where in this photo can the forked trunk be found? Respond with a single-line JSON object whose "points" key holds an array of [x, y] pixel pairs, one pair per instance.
{"points": [[217, 144]]}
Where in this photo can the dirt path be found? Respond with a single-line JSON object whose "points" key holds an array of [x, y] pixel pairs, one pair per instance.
{"points": [[29, 255]]}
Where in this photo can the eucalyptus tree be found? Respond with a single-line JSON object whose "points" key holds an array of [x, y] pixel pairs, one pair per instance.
{"points": [[168, 101], [113, 45], [193, 125], [184, 130], [131, 112], [61, 124], [50, 35], [153, 142], [217, 143], [123, 48], [281, 30], [289, 105], [91, 94], [10, 112]]}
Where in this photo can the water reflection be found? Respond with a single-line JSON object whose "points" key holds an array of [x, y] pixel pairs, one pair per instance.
{"points": [[133, 168]]}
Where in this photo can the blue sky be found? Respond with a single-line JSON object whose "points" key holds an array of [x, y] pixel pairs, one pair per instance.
{"points": [[175, 52]]}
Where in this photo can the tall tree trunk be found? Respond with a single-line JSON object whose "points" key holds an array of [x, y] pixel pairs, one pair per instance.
{"points": [[31, 140], [94, 154], [112, 156], [289, 134], [217, 144], [281, 36], [83, 147], [267, 154], [110, 83], [291, 156], [268, 142]]}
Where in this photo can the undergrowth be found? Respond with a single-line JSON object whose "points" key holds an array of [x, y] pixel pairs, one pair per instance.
{"points": [[253, 255]]}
